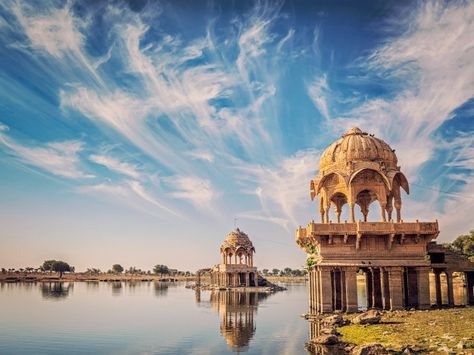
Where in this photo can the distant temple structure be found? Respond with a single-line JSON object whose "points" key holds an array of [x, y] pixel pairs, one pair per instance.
{"points": [[396, 258], [236, 268]]}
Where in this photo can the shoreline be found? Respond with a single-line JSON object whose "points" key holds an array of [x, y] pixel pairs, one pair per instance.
{"points": [[10, 277]]}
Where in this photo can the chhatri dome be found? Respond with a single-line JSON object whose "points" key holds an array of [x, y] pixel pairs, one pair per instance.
{"points": [[359, 169], [237, 240]]}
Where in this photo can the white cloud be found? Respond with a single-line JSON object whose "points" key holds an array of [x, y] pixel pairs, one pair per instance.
{"points": [[201, 155], [116, 165], [130, 193], [194, 190], [55, 32], [58, 158], [318, 91], [284, 189]]}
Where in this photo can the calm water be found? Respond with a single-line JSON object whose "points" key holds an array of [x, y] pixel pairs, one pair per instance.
{"points": [[149, 318]]}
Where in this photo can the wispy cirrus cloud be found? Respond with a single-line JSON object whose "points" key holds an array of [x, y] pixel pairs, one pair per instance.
{"points": [[282, 190], [58, 158], [194, 190], [131, 193], [116, 165], [318, 91]]}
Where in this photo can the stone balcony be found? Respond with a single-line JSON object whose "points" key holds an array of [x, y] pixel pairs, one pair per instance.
{"points": [[390, 231], [367, 228]]}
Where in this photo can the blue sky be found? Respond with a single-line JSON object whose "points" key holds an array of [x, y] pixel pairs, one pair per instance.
{"points": [[138, 133]]}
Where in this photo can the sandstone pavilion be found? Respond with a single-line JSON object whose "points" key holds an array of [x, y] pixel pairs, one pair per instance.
{"points": [[397, 260], [236, 268]]}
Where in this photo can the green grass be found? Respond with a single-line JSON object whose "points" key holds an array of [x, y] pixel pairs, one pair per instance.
{"points": [[423, 330]]}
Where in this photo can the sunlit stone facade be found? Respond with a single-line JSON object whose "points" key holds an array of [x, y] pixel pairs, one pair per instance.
{"points": [[392, 255], [236, 268]]}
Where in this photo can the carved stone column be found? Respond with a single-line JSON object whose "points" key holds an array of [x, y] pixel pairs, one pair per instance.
{"points": [[439, 299], [384, 282], [449, 279], [312, 303], [351, 289], [247, 279], [423, 281], [325, 289], [395, 275]]}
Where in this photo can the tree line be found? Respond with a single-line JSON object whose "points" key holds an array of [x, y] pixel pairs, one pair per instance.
{"points": [[285, 272]]}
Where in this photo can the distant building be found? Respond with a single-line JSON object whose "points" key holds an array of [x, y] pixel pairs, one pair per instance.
{"points": [[396, 258], [236, 268]]}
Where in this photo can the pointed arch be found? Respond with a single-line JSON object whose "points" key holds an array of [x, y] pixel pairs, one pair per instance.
{"points": [[387, 182]]}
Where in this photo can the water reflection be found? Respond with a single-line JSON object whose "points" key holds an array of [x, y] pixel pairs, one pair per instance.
{"points": [[117, 288], [237, 312], [161, 289], [56, 290], [316, 328]]}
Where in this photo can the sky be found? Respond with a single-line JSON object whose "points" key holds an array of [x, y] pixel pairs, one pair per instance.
{"points": [[143, 132]]}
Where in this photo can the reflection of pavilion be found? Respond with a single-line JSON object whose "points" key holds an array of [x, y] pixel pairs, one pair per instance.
{"points": [[236, 312]]}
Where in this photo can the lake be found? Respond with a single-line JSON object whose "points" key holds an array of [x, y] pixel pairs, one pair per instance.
{"points": [[149, 318]]}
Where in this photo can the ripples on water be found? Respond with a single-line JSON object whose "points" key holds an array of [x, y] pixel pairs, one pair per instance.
{"points": [[149, 318]]}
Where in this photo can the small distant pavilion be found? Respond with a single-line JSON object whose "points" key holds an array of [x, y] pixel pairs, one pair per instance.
{"points": [[236, 268]]}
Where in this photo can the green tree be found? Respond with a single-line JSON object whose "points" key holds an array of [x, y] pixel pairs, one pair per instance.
{"points": [[275, 272], [61, 267], [161, 269], [48, 265], [117, 268], [265, 272], [464, 244], [287, 271]]}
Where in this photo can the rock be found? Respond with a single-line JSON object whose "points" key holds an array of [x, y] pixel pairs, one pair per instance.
{"points": [[369, 349], [460, 345], [335, 319], [444, 349], [326, 339], [328, 331], [370, 317]]}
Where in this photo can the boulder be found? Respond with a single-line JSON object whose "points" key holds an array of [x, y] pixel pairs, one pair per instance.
{"points": [[328, 331], [370, 317], [370, 349], [335, 319], [326, 339]]}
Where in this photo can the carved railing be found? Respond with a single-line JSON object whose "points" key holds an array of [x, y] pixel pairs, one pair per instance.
{"points": [[314, 229]]}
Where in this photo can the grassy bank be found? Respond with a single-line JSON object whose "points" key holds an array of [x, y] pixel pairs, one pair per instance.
{"points": [[433, 331]]}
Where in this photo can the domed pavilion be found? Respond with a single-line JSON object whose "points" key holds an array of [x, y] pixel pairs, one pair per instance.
{"points": [[236, 268], [360, 169]]}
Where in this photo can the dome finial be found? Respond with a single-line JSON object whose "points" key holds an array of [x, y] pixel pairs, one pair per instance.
{"points": [[354, 130]]}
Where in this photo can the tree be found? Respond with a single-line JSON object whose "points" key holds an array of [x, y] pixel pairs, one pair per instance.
{"points": [[464, 244], [57, 266], [287, 271], [48, 265], [275, 272], [117, 268], [161, 269], [4, 271], [265, 272]]}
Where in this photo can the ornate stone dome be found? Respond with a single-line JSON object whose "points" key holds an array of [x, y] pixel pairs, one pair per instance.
{"points": [[237, 239], [358, 169], [355, 146]]}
